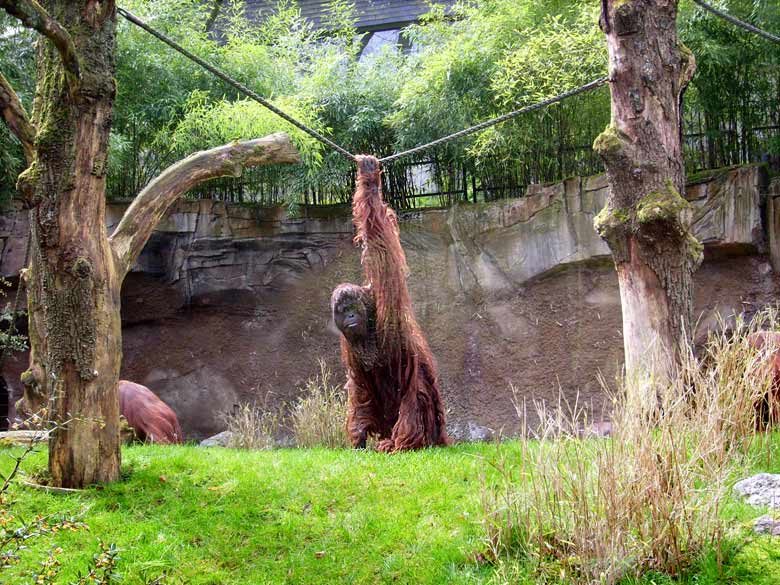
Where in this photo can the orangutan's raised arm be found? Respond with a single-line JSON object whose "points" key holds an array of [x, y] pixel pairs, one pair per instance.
{"points": [[384, 262]]}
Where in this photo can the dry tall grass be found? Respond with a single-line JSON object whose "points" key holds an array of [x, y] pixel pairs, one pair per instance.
{"points": [[649, 498], [252, 427], [317, 418]]}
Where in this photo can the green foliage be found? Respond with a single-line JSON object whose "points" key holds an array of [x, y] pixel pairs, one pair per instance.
{"points": [[480, 60], [16, 65], [735, 86], [176, 108], [154, 85], [562, 52], [205, 124], [498, 56], [558, 53]]}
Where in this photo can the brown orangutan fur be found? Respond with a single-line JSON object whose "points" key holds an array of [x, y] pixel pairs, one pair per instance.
{"points": [[391, 375], [151, 419], [768, 407]]}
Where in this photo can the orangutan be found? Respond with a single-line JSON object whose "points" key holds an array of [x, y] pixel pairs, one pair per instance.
{"points": [[152, 420], [391, 376], [768, 407]]}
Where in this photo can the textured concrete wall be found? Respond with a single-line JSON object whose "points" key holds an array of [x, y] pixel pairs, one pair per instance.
{"points": [[773, 222], [205, 248], [229, 304]]}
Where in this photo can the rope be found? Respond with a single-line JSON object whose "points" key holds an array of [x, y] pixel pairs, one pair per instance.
{"points": [[230, 81], [737, 22], [488, 123]]}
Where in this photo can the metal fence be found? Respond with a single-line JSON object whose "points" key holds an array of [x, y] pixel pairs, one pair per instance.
{"points": [[733, 143], [558, 145]]}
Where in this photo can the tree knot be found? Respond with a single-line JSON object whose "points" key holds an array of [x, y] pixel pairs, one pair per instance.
{"points": [[81, 268], [663, 205]]}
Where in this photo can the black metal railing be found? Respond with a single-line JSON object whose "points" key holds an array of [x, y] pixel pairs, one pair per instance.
{"points": [[555, 148]]}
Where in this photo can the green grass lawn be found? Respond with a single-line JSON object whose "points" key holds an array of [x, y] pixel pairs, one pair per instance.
{"points": [[208, 516]]}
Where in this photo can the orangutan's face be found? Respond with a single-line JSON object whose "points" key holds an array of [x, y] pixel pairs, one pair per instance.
{"points": [[350, 313]]}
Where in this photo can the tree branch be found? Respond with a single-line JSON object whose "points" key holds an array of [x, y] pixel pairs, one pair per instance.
{"points": [[32, 15], [212, 18], [16, 118], [150, 205]]}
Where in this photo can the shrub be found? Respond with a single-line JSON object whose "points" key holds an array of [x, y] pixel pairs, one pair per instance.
{"points": [[646, 499], [317, 418]]}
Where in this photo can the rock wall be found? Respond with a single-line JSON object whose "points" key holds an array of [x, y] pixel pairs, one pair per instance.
{"points": [[773, 222], [229, 304]]}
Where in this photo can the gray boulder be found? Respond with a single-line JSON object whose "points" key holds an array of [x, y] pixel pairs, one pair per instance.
{"points": [[767, 525], [222, 439], [762, 489], [479, 432]]}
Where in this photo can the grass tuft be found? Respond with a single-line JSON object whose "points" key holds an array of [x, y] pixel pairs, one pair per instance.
{"points": [[648, 499], [317, 419], [252, 427]]}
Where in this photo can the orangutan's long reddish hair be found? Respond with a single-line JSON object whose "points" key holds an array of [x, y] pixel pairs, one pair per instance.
{"points": [[151, 419], [768, 406], [395, 394], [385, 271]]}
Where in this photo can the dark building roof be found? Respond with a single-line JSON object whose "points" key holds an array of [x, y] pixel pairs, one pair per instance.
{"points": [[373, 15]]}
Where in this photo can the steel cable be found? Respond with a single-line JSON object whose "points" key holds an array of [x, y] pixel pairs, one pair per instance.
{"points": [[737, 22]]}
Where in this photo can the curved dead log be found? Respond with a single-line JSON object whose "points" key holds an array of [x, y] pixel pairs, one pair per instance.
{"points": [[148, 208], [16, 118]]}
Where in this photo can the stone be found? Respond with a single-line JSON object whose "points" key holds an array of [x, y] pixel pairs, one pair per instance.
{"points": [[731, 212], [773, 222], [572, 188], [479, 432], [596, 182], [592, 202], [207, 248], [598, 429], [696, 191], [188, 391], [469, 431], [762, 489], [222, 439], [767, 524]]}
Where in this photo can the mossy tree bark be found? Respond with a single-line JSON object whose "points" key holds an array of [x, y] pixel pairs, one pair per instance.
{"points": [[76, 270], [73, 292], [646, 221]]}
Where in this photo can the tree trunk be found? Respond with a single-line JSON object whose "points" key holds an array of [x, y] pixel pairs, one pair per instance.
{"points": [[646, 221], [81, 378], [75, 335]]}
